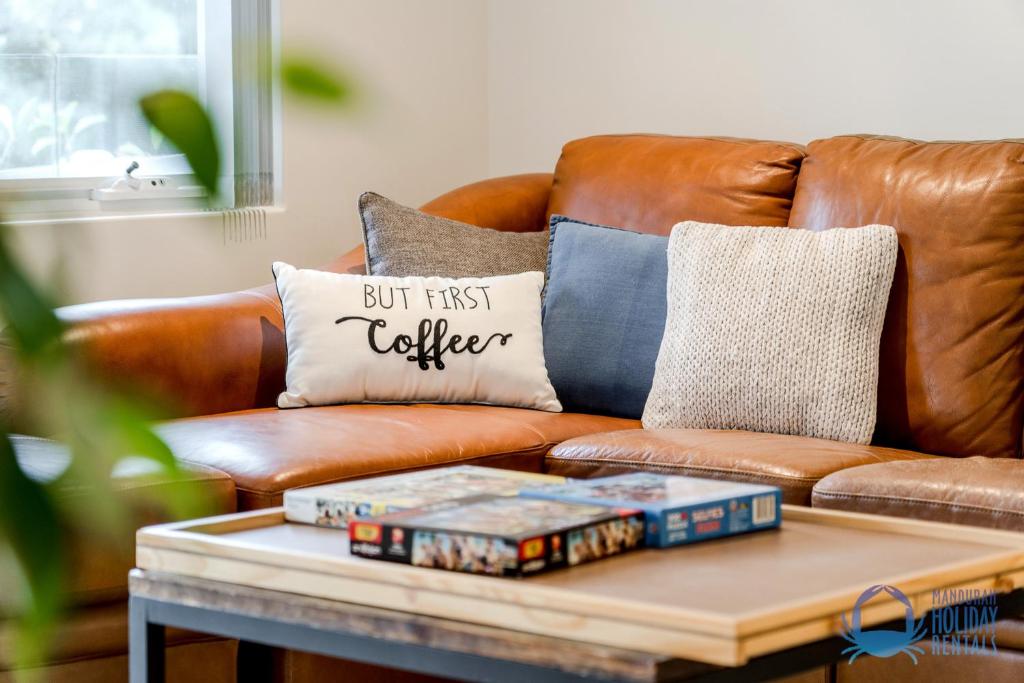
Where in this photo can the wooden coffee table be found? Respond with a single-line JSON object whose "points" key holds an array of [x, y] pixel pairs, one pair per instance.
{"points": [[744, 608]]}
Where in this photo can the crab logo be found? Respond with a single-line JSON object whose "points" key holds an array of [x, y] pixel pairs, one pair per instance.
{"points": [[883, 643]]}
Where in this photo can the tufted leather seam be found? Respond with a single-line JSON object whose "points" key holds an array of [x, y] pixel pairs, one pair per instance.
{"points": [[839, 495], [634, 464]]}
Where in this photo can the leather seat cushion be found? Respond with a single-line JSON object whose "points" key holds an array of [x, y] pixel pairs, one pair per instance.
{"points": [[793, 463], [979, 491], [98, 560], [267, 451], [1010, 634]]}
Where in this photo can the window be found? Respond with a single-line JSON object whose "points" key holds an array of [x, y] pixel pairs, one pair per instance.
{"points": [[71, 74]]}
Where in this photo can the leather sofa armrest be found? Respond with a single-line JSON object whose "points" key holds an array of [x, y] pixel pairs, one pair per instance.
{"points": [[194, 356], [516, 203], [204, 354]]}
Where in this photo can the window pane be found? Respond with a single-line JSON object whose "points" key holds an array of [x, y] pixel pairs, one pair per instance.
{"points": [[98, 26], [77, 69], [98, 124], [27, 129]]}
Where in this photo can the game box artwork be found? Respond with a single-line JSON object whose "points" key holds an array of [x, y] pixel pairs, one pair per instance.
{"points": [[335, 505], [499, 535], [678, 510]]}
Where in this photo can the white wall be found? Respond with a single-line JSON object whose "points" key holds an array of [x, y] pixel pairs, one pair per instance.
{"points": [[793, 70], [419, 130], [421, 125], [456, 90]]}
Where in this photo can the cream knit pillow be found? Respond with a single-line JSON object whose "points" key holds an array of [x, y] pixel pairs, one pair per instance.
{"points": [[773, 330]]}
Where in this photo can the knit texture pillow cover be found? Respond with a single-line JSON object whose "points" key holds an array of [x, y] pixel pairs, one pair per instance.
{"points": [[773, 330], [403, 242]]}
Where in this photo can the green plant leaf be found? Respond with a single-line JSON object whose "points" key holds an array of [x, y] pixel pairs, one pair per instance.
{"points": [[30, 525], [306, 78], [184, 122], [103, 429], [28, 314]]}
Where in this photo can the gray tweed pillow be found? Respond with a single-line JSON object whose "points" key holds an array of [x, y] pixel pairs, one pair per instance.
{"points": [[403, 242], [773, 330]]}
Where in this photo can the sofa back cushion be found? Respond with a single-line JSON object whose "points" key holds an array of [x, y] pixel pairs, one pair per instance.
{"points": [[652, 182], [951, 374]]}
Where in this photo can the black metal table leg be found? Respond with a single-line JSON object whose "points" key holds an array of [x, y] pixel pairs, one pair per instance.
{"points": [[146, 644], [255, 662]]}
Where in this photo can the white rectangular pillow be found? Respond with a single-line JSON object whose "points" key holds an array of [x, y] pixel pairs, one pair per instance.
{"points": [[361, 338]]}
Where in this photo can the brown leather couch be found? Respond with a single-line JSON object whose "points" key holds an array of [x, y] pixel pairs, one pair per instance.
{"points": [[951, 383]]}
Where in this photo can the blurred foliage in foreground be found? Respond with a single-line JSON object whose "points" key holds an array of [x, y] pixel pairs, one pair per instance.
{"points": [[186, 124], [100, 427]]}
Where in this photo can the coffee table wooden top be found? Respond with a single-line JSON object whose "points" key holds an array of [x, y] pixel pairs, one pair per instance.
{"points": [[719, 602]]}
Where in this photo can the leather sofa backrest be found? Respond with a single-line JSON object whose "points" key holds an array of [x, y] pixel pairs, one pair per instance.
{"points": [[648, 183], [952, 364]]}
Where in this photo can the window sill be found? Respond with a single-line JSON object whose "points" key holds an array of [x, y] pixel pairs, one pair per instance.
{"points": [[134, 216]]}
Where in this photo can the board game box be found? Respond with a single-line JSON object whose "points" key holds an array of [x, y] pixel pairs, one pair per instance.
{"points": [[678, 509], [334, 505], [499, 535]]}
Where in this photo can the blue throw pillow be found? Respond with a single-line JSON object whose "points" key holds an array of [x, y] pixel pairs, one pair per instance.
{"points": [[604, 315]]}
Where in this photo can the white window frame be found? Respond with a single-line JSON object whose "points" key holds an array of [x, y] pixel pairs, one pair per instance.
{"points": [[33, 199]]}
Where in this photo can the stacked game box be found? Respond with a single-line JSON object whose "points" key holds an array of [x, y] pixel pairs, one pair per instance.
{"points": [[499, 535], [335, 505], [678, 510]]}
